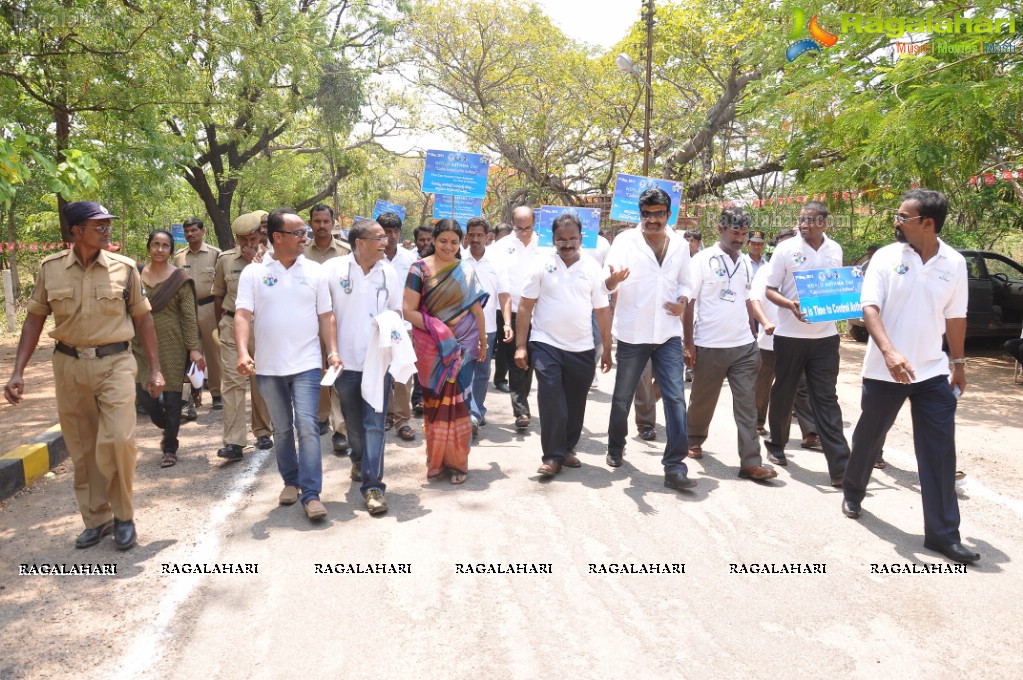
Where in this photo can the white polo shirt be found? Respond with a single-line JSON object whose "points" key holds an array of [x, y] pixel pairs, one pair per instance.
{"points": [[600, 252], [915, 298], [640, 317], [357, 299], [287, 304], [720, 289], [565, 300], [794, 255], [493, 279], [402, 262], [516, 260], [758, 292]]}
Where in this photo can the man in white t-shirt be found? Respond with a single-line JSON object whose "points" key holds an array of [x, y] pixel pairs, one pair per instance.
{"points": [[913, 292], [399, 409], [723, 342], [492, 277], [649, 268], [804, 348], [362, 285], [559, 298], [289, 295]]}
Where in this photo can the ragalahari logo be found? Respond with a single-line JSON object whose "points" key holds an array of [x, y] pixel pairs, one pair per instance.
{"points": [[818, 36]]}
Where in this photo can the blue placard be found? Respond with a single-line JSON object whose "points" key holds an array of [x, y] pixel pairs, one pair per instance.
{"points": [[456, 173], [588, 217], [464, 208], [625, 204], [178, 232], [383, 206], [830, 294]]}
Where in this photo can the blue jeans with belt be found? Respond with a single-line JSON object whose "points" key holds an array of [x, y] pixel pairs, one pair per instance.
{"points": [[292, 401], [365, 428], [668, 366]]}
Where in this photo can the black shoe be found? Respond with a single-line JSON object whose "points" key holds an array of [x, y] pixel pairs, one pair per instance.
{"points": [[851, 509], [502, 387], [647, 434], [613, 459], [953, 551], [679, 481], [778, 458], [356, 471], [124, 534], [264, 442], [837, 481], [217, 405], [417, 409], [230, 452], [340, 443], [189, 414], [324, 427], [91, 537]]}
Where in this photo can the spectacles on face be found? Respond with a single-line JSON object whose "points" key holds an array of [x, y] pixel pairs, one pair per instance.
{"points": [[522, 230], [97, 228], [567, 241], [297, 233], [653, 214], [902, 219], [378, 239]]}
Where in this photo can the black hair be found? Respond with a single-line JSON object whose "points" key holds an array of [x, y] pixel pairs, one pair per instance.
{"points": [[427, 229], [389, 220], [321, 206], [932, 204], [735, 216], [502, 229], [655, 196], [152, 235], [446, 224], [359, 230], [817, 206], [478, 222], [193, 220], [563, 219], [275, 221]]}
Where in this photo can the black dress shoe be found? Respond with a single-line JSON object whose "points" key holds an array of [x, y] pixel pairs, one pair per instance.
{"points": [[953, 551], [647, 434], [91, 537], [838, 481], [231, 452], [851, 509], [217, 405], [613, 459], [324, 427], [502, 387], [679, 481], [340, 443], [264, 442], [777, 457], [124, 534]]}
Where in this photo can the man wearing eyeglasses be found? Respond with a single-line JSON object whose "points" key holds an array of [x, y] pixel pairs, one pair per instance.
{"points": [[648, 267], [804, 348], [914, 291], [518, 253], [399, 409], [289, 295], [362, 286], [723, 342], [98, 306]]}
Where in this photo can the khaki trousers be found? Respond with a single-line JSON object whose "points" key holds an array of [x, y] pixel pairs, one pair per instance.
{"points": [[646, 398], [96, 409], [233, 391], [209, 339], [400, 406]]}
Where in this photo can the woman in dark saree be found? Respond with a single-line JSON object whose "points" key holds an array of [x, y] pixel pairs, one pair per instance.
{"points": [[444, 303]]}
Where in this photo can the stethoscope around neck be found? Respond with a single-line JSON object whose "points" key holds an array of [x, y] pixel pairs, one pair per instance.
{"points": [[740, 261]]}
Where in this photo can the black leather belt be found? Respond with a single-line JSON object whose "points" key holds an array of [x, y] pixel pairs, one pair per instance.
{"points": [[228, 312], [204, 301], [92, 352]]}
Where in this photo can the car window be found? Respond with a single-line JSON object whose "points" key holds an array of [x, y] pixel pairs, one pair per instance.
{"points": [[997, 266], [974, 268]]}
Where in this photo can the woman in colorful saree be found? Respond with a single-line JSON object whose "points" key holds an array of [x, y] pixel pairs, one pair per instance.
{"points": [[444, 303]]}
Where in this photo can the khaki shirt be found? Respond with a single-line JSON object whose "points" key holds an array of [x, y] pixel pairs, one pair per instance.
{"points": [[200, 266], [335, 249], [225, 281], [89, 305]]}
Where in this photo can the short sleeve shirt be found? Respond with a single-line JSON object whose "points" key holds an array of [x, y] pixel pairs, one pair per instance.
{"points": [[228, 272], [720, 288], [493, 280], [357, 298], [565, 300], [795, 255], [201, 266]]}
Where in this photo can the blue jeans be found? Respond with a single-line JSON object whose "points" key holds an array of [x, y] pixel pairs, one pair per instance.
{"points": [[365, 428], [668, 366], [292, 401], [480, 381]]}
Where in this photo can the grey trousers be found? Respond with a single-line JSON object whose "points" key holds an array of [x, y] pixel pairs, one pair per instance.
{"points": [[645, 400], [740, 366]]}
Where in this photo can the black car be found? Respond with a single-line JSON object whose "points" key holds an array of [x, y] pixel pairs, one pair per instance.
{"points": [[995, 308]]}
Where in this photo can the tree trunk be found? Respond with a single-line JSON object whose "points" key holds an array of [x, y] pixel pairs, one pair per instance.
{"points": [[62, 119], [12, 238]]}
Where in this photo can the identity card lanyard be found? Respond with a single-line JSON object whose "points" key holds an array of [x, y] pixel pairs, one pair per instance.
{"points": [[728, 295]]}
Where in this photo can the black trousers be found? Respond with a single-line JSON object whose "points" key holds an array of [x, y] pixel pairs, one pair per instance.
{"points": [[562, 383], [166, 415], [504, 352], [818, 360], [933, 408], [520, 381]]}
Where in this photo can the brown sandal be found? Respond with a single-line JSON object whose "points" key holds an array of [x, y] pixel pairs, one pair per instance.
{"points": [[170, 459]]}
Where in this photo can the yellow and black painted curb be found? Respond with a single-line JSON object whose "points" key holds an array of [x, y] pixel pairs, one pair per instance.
{"points": [[25, 464]]}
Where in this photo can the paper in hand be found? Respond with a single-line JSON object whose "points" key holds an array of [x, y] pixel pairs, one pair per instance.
{"points": [[330, 376]]}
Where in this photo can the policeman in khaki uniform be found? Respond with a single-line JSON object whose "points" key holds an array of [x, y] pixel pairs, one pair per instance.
{"points": [[322, 247], [98, 306], [198, 260], [225, 289]]}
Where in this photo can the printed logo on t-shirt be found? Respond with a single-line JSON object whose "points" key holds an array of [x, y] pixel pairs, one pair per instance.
{"points": [[901, 268], [945, 275], [549, 268], [269, 280], [857, 272], [798, 257]]}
